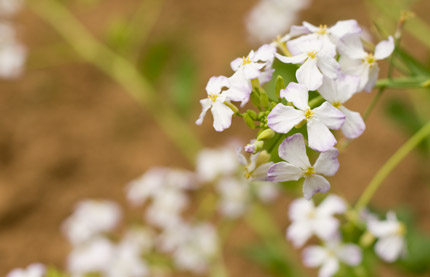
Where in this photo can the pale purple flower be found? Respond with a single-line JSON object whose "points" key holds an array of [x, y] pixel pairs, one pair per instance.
{"points": [[319, 120], [221, 113], [297, 166], [308, 220], [317, 61], [328, 257], [33, 270], [355, 61], [337, 92], [391, 242]]}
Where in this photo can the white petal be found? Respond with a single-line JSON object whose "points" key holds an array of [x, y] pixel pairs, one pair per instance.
{"points": [[206, 105], [329, 116], [354, 125], [329, 268], [319, 136], [326, 228], [345, 27], [297, 94], [252, 70], [266, 76], [384, 48], [304, 45], [295, 59], [328, 66], [299, 232], [373, 77], [216, 84], [331, 205], [222, 116], [327, 163], [328, 90], [236, 63], [314, 184], [298, 30], [293, 150], [314, 256], [310, 27], [300, 209], [240, 88], [350, 254], [283, 118], [347, 85], [265, 53], [309, 75], [351, 47], [390, 248], [282, 172], [382, 228]]}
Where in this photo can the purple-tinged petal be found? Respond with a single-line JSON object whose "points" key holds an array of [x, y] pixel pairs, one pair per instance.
{"points": [[354, 125], [297, 94], [309, 75], [347, 85], [222, 116], [283, 172], [384, 48], [329, 116], [252, 70], [310, 27], [345, 28], [283, 118], [350, 254], [319, 136], [328, 66], [299, 232], [351, 47], [390, 248], [293, 150], [313, 184], [373, 77], [329, 268], [314, 256], [294, 60], [266, 76], [327, 163]]}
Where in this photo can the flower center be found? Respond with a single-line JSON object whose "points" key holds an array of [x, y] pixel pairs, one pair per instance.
{"points": [[337, 104], [309, 113], [246, 60], [310, 171], [322, 30], [213, 97], [401, 231], [312, 54], [311, 214], [370, 59]]}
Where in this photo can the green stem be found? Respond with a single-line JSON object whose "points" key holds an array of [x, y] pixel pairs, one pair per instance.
{"points": [[120, 70], [390, 165], [404, 83]]}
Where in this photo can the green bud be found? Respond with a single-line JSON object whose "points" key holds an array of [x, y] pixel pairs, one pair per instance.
{"points": [[263, 158], [255, 83], [266, 134], [264, 99], [261, 115], [279, 85], [303, 122], [252, 114], [248, 120], [259, 145], [231, 106], [367, 239], [255, 98]]}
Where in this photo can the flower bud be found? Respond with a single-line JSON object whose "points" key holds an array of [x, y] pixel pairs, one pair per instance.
{"points": [[266, 134]]}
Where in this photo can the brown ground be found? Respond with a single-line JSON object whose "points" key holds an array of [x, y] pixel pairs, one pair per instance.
{"points": [[69, 133]]}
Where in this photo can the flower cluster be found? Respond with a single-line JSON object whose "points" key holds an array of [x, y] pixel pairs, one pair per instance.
{"points": [[12, 53]]}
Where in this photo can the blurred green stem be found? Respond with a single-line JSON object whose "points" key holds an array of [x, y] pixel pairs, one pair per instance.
{"points": [[120, 70], [390, 165]]}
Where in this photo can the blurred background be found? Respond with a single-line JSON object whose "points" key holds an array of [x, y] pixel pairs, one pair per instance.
{"points": [[69, 132]]}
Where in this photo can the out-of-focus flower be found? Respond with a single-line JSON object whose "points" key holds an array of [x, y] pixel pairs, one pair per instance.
{"points": [[12, 53], [213, 163], [316, 61], [90, 218], [308, 219], [10, 7], [270, 18], [327, 257], [337, 92], [234, 196], [390, 232], [33, 270], [355, 61], [319, 120]]}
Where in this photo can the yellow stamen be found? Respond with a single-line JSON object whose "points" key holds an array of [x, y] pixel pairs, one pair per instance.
{"points": [[337, 104], [401, 231], [322, 30], [309, 113], [370, 59], [212, 97], [310, 171], [246, 60], [312, 54], [311, 214]]}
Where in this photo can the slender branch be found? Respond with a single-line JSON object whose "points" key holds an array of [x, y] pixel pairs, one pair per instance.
{"points": [[120, 70], [385, 170]]}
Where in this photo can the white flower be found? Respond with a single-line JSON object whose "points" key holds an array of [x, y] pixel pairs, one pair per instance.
{"points": [[317, 61], [319, 120], [328, 257], [330, 36], [337, 92], [213, 163], [297, 166], [12, 53], [355, 61], [90, 218], [234, 196], [391, 244], [33, 270], [215, 102], [308, 220], [127, 261], [10, 7]]}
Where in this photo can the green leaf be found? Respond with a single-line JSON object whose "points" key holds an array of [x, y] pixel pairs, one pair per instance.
{"points": [[413, 64], [279, 85]]}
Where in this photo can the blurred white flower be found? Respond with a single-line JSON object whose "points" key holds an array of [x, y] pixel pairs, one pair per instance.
{"points": [[234, 196], [318, 120], [308, 220], [213, 163], [327, 257], [90, 218], [12, 53], [33, 270], [391, 234], [10, 7]]}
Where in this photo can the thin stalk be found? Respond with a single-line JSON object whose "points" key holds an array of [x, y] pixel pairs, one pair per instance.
{"points": [[119, 70], [385, 170]]}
